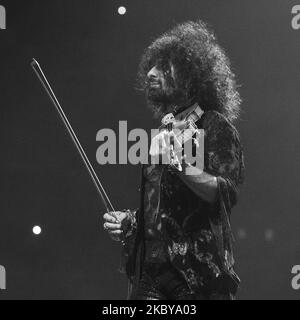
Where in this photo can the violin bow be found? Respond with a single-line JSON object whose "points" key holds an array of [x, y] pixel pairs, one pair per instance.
{"points": [[41, 76]]}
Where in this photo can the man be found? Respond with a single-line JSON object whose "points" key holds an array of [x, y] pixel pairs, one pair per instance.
{"points": [[178, 244]]}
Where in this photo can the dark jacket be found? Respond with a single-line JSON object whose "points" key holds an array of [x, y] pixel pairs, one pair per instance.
{"points": [[197, 233]]}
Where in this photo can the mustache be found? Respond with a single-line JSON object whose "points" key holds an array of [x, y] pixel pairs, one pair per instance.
{"points": [[148, 83]]}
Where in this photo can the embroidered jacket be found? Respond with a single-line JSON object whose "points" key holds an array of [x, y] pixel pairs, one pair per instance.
{"points": [[196, 234]]}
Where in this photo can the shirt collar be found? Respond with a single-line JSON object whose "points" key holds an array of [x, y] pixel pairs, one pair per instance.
{"points": [[193, 108]]}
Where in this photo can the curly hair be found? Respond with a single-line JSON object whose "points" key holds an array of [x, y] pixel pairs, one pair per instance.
{"points": [[202, 69]]}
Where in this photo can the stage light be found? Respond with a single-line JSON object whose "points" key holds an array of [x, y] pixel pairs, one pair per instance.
{"points": [[242, 234], [122, 10], [36, 230], [269, 235]]}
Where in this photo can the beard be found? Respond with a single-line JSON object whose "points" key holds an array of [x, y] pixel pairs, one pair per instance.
{"points": [[159, 96], [161, 100]]}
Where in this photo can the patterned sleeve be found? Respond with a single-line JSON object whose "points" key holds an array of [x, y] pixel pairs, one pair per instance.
{"points": [[129, 239], [132, 225], [223, 158]]}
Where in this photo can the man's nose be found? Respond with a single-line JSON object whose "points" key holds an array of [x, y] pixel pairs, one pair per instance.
{"points": [[153, 73]]}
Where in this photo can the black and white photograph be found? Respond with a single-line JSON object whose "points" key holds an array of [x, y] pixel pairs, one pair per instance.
{"points": [[149, 151]]}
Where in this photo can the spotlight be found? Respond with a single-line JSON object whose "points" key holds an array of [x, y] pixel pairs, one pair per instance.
{"points": [[242, 234], [122, 11], [36, 230], [269, 235]]}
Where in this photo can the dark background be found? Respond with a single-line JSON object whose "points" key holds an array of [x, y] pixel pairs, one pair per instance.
{"points": [[90, 55]]}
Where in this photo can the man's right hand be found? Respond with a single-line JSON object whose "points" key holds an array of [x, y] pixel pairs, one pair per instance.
{"points": [[115, 223]]}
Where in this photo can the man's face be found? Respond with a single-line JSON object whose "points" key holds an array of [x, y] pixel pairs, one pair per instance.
{"points": [[161, 85]]}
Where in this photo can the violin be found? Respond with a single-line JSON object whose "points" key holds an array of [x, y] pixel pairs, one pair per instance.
{"points": [[179, 129]]}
